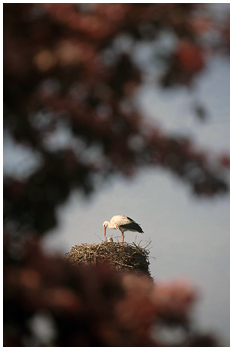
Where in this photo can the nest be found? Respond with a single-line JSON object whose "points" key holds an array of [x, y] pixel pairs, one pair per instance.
{"points": [[129, 257]]}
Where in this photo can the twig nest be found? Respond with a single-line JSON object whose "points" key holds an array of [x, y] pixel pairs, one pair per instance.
{"points": [[129, 257]]}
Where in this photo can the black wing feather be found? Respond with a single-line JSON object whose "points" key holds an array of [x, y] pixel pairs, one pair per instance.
{"points": [[132, 226], [130, 219]]}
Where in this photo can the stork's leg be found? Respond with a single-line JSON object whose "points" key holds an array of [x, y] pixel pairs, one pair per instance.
{"points": [[122, 237]]}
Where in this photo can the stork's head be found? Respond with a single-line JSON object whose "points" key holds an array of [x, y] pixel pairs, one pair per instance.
{"points": [[105, 225]]}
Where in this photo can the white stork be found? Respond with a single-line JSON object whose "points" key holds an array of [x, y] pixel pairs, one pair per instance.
{"points": [[122, 223]]}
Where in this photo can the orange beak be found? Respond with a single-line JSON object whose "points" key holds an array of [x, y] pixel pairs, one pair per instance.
{"points": [[105, 231]]}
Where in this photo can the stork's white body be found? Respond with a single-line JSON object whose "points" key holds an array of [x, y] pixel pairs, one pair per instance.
{"points": [[122, 223]]}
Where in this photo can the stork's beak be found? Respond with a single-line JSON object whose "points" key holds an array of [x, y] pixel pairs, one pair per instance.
{"points": [[105, 231]]}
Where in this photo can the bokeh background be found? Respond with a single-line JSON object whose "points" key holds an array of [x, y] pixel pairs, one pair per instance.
{"points": [[123, 109]]}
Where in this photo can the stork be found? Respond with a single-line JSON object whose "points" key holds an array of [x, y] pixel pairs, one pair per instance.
{"points": [[122, 223]]}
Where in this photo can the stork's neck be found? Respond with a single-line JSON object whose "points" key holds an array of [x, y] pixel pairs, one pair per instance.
{"points": [[110, 225]]}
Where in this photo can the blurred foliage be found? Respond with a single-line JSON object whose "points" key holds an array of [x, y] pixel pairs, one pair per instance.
{"points": [[91, 306], [65, 72]]}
